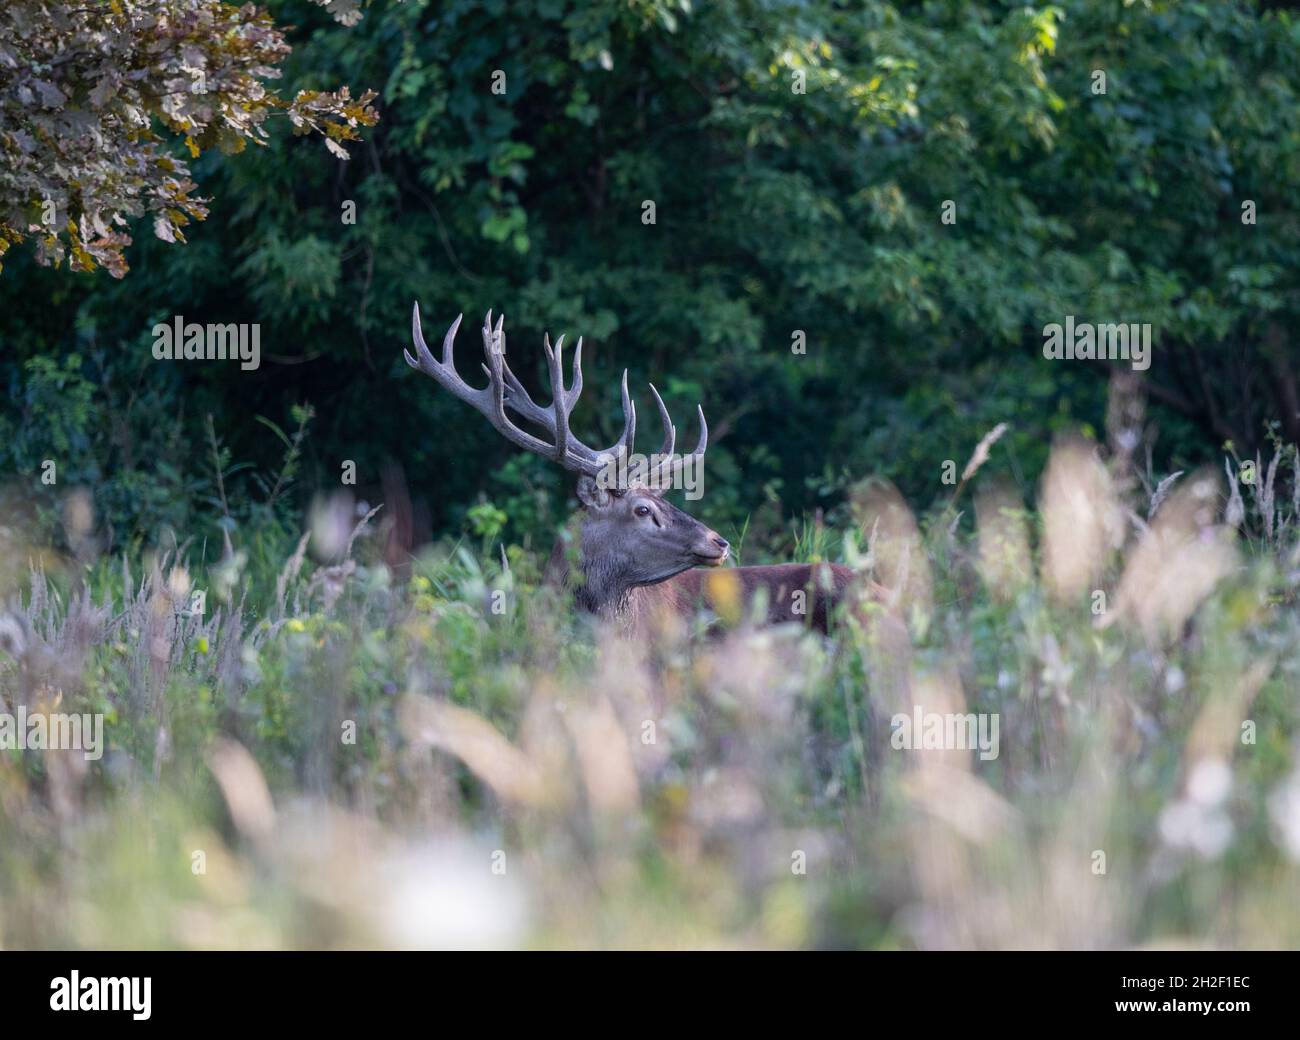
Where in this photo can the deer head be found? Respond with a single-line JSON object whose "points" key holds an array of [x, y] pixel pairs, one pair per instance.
{"points": [[629, 535]]}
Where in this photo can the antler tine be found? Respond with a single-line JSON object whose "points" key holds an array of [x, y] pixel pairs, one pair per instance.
{"points": [[493, 350], [489, 400], [519, 400], [663, 475], [504, 389], [494, 340], [626, 443], [424, 360], [560, 404], [702, 445], [576, 389], [670, 431]]}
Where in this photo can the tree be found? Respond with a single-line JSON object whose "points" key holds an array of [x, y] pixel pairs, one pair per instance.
{"points": [[93, 93], [801, 158]]}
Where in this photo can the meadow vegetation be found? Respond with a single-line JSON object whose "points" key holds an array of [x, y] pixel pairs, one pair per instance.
{"points": [[338, 752]]}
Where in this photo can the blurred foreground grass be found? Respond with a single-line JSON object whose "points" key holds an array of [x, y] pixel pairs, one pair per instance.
{"points": [[327, 756]]}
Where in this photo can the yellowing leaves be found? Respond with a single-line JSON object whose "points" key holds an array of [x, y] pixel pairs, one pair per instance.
{"points": [[199, 71]]}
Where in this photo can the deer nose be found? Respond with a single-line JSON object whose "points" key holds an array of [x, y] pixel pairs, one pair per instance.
{"points": [[718, 540]]}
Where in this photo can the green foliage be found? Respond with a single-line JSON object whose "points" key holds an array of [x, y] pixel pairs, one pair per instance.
{"points": [[311, 731], [799, 157], [56, 408]]}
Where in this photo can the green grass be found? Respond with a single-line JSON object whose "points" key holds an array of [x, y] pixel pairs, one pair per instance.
{"points": [[357, 760]]}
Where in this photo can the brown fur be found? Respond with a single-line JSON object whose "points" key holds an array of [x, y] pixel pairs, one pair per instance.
{"points": [[825, 584]]}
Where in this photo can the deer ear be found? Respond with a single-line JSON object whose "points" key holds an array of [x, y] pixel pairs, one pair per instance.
{"points": [[592, 495]]}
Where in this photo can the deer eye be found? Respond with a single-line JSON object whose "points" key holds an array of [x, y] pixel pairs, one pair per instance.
{"points": [[642, 510]]}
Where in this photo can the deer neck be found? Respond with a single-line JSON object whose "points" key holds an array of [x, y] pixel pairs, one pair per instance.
{"points": [[606, 592], [598, 587]]}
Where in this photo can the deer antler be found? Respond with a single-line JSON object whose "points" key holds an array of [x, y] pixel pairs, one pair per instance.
{"points": [[505, 391]]}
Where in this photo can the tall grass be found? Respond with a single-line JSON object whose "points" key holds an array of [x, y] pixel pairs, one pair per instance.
{"points": [[326, 755]]}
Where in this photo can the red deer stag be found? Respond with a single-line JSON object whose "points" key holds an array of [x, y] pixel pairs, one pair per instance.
{"points": [[635, 551]]}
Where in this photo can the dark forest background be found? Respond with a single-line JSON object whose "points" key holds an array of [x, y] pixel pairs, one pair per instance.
{"points": [[776, 211]]}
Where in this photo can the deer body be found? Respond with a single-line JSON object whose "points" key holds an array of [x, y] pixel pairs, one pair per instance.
{"points": [[617, 574], [805, 593], [635, 553], [802, 593]]}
